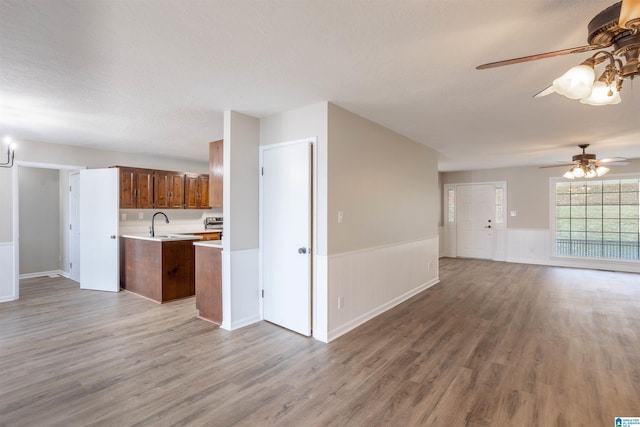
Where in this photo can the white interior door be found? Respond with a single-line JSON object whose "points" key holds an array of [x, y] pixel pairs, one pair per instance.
{"points": [[99, 209], [74, 226], [286, 236], [475, 211]]}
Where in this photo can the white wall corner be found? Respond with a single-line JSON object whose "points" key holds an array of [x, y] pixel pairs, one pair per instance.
{"points": [[7, 273]]}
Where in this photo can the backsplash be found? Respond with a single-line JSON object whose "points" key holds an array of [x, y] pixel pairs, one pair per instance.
{"points": [[180, 220]]}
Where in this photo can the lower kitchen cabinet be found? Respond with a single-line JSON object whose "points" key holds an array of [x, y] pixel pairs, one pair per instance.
{"points": [[158, 270], [210, 235], [209, 282]]}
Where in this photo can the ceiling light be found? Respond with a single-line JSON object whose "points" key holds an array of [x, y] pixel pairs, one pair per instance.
{"points": [[578, 82], [585, 170], [11, 148], [629, 15]]}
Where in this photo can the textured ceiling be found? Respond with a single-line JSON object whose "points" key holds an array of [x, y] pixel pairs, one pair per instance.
{"points": [[155, 76]]}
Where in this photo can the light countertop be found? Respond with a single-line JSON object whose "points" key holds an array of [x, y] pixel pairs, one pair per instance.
{"points": [[163, 237], [209, 243]]}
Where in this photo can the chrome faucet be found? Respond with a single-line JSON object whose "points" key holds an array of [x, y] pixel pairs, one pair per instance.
{"points": [[153, 218]]}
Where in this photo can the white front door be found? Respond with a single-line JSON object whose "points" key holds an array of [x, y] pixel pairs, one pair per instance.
{"points": [[286, 236], [475, 211], [99, 209], [74, 226]]}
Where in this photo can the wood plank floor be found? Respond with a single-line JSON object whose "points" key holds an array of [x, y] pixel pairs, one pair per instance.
{"points": [[493, 344]]}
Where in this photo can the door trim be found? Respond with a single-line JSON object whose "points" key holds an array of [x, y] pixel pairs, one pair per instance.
{"points": [[450, 228], [314, 214]]}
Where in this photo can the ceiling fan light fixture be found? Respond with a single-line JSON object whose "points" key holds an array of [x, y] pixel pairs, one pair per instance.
{"points": [[603, 94], [629, 14], [569, 175], [591, 172], [577, 172], [601, 170], [576, 83]]}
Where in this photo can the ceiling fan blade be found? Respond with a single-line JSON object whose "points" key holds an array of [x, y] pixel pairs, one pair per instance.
{"points": [[579, 49], [629, 14], [544, 92], [557, 166], [613, 164], [612, 159]]}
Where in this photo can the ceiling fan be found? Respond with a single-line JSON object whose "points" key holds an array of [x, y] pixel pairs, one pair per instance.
{"points": [[617, 26], [586, 165]]}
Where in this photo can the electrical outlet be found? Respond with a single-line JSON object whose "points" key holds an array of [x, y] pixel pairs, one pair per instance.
{"points": [[340, 303], [140, 215], [123, 216], [340, 217]]}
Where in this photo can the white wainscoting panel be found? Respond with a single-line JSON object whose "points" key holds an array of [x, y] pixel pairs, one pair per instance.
{"points": [[6, 272], [374, 280], [320, 294], [535, 246], [51, 273], [528, 246], [245, 292]]}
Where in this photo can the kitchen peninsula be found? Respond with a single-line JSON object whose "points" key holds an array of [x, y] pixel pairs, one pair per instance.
{"points": [[209, 280], [159, 268]]}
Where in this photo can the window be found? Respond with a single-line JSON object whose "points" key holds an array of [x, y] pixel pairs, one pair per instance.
{"points": [[451, 205], [499, 205], [598, 218]]}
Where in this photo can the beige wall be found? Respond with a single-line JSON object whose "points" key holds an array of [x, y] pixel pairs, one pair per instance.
{"points": [[6, 195], [241, 180], [305, 122], [385, 184], [527, 190], [39, 220]]}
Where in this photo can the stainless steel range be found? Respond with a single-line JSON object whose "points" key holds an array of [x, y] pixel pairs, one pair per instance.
{"points": [[213, 223]]}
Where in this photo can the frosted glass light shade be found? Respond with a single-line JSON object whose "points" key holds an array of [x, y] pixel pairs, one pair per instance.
{"points": [[600, 95], [575, 83], [569, 175], [577, 172], [601, 170]]}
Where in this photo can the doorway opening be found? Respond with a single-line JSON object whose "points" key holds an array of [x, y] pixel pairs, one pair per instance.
{"points": [[34, 253], [287, 184], [475, 220]]}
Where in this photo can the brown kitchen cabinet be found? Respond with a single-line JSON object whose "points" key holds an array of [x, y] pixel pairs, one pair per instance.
{"points": [[168, 189], [216, 173], [136, 188], [210, 235], [209, 283], [196, 191], [158, 270]]}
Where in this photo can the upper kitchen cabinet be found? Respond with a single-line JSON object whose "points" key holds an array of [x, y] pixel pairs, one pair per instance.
{"points": [[196, 191], [136, 188], [168, 189], [216, 172]]}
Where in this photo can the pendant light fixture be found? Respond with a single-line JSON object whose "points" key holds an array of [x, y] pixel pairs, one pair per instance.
{"points": [[11, 147]]}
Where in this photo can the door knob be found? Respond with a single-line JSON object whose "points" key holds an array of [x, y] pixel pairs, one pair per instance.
{"points": [[487, 226], [302, 250], [113, 236]]}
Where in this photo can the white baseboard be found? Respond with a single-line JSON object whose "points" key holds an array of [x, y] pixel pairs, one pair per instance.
{"points": [[343, 329], [245, 322], [44, 273], [363, 284]]}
